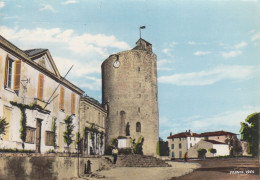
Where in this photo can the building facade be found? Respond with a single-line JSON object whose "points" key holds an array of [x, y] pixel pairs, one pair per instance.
{"points": [[92, 126], [129, 91], [222, 149], [181, 142], [35, 112]]}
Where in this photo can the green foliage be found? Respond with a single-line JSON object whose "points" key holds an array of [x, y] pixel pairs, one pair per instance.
{"points": [[68, 131], [163, 147], [114, 142], [158, 148], [23, 119], [201, 153], [54, 130], [15, 150], [3, 125], [77, 140], [212, 150], [138, 147], [249, 132], [50, 151], [99, 140], [125, 151]]}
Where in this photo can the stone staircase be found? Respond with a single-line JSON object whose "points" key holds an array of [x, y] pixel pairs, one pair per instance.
{"points": [[135, 160]]}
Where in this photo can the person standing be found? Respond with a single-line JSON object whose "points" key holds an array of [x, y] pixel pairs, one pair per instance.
{"points": [[114, 154]]}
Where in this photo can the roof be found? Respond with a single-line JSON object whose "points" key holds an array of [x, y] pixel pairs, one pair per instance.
{"points": [[24, 55], [214, 142], [141, 39], [216, 133], [183, 134], [142, 44], [33, 52]]}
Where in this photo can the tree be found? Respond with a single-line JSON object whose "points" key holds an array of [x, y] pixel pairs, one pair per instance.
{"points": [[68, 130], [249, 133], [3, 125], [202, 153], [162, 147], [212, 150]]}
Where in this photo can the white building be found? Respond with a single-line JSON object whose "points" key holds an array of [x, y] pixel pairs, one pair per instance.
{"points": [[27, 82], [181, 142], [222, 149]]}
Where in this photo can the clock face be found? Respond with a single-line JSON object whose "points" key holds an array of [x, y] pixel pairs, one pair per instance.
{"points": [[116, 64]]}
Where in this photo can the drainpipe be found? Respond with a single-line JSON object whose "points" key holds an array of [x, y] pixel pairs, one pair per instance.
{"points": [[78, 136]]}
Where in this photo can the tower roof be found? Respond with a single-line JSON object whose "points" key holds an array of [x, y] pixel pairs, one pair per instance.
{"points": [[142, 44]]}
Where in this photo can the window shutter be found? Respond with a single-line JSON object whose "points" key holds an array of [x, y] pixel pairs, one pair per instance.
{"points": [[17, 74], [72, 103], [61, 97], [40, 87], [6, 66]]}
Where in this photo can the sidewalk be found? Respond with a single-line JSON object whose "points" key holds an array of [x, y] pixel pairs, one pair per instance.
{"points": [[151, 173]]}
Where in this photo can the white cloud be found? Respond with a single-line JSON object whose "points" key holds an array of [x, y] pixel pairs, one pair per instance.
{"points": [[231, 54], [191, 43], [47, 7], [80, 44], [165, 65], [240, 45], [255, 36], [70, 2], [201, 53], [168, 51], [211, 76], [95, 83], [2, 4]]}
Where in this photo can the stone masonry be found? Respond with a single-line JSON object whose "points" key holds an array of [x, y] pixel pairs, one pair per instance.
{"points": [[129, 90]]}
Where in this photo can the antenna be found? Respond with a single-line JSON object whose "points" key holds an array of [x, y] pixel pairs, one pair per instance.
{"points": [[57, 87]]}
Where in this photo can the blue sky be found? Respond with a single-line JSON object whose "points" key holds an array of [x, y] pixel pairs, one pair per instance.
{"points": [[207, 51]]}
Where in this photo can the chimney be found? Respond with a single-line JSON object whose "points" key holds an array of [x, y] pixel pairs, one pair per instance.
{"points": [[170, 133], [189, 131]]}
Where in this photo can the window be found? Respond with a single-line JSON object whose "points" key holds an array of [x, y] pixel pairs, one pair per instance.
{"points": [[180, 139], [61, 98], [190, 138], [180, 154], [180, 146], [194, 138], [12, 73], [40, 87], [172, 139], [72, 103], [173, 155], [139, 109], [138, 127], [30, 135], [190, 144], [49, 138], [172, 146]]}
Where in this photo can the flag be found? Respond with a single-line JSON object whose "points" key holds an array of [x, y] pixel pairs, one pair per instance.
{"points": [[142, 27]]}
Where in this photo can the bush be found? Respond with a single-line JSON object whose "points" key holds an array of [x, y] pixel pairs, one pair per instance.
{"points": [[201, 153], [125, 151]]}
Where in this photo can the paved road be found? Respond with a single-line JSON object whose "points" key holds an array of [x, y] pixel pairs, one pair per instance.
{"points": [[225, 169]]}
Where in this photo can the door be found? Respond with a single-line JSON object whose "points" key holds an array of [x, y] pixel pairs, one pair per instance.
{"points": [[38, 135]]}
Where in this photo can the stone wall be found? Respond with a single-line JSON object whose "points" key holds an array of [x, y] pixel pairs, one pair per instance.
{"points": [[22, 166]]}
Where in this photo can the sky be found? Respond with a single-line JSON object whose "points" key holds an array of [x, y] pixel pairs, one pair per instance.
{"points": [[207, 51]]}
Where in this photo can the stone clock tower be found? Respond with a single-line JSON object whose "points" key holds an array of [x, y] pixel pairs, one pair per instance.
{"points": [[129, 90]]}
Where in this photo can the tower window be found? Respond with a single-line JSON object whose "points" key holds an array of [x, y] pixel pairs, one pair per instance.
{"points": [[138, 69], [139, 109], [138, 127]]}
